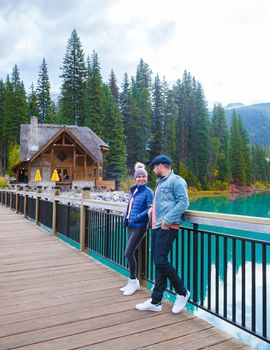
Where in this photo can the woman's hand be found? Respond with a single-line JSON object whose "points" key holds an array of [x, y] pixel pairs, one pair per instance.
{"points": [[164, 226], [150, 212]]}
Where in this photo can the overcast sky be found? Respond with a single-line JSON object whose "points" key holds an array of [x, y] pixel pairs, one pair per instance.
{"points": [[223, 43]]}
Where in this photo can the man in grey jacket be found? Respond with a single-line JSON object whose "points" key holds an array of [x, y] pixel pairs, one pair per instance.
{"points": [[169, 204]]}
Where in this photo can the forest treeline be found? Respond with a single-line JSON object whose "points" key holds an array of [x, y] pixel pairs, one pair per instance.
{"points": [[140, 118]]}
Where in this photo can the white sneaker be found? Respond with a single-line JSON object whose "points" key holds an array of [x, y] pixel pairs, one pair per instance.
{"points": [[123, 289], [148, 306], [180, 303], [132, 287]]}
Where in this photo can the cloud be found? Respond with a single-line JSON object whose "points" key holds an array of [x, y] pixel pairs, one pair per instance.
{"points": [[222, 43]]}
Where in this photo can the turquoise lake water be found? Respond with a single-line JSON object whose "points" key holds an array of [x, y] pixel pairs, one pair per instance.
{"points": [[252, 205]]}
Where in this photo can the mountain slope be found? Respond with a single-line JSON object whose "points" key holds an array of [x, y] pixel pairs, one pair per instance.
{"points": [[256, 120]]}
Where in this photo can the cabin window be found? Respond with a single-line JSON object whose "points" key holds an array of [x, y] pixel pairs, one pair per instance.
{"points": [[62, 156]]}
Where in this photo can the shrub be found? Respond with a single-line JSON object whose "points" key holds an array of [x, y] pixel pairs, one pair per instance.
{"points": [[219, 186], [259, 184], [126, 184]]}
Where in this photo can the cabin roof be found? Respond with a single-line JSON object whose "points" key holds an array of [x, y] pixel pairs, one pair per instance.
{"points": [[46, 132]]}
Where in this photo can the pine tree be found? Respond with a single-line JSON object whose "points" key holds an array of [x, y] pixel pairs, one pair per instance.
{"points": [[170, 117], [72, 102], [114, 87], [199, 135], [192, 128], [95, 107], [245, 148], [14, 112], [237, 157], [141, 92], [131, 124], [134, 136], [157, 122], [260, 168], [184, 98], [87, 91], [17, 111], [115, 160], [43, 94], [32, 102], [219, 150], [124, 103]]}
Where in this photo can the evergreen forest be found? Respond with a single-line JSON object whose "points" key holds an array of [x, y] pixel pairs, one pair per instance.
{"points": [[139, 117]]}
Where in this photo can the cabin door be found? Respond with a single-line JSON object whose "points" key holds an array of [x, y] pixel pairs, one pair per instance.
{"points": [[64, 174]]}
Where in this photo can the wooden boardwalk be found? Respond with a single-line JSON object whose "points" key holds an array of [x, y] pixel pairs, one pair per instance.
{"points": [[53, 297]]}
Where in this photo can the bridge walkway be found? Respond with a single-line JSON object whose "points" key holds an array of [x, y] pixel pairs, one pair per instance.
{"points": [[55, 298]]}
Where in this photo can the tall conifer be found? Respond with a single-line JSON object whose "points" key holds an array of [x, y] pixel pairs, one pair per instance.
{"points": [[237, 156], [32, 102], [141, 92], [170, 117], [114, 87], [115, 160], [219, 149], [157, 120], [95, 106], [72, 103], [124, 103], [43, 94]]}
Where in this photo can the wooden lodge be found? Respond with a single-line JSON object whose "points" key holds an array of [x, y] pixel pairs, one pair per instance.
{"points": [[75, 152]]}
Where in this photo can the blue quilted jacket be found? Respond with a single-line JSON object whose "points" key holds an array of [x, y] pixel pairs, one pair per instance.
{"points": [[143, 199]]}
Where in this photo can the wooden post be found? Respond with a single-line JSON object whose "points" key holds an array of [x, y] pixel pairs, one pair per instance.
{"points": [[25, 202], [37, 209], [85, 194], [74, 162], [16, 199], [52, 154], [85, 167], [54, 213]]}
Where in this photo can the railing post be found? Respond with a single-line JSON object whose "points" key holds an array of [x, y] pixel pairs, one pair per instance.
{"points": [[142, 251], [107, 229], [10, 200], [54, 211], [85, 194], [37, 209], [195, 263], [16, 199], [25, 202]]}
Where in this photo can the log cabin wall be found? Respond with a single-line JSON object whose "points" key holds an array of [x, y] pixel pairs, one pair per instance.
{"points": [[82, 168]]}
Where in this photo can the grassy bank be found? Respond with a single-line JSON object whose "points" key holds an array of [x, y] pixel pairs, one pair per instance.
{"points": [[193, 194], [248, 190]]}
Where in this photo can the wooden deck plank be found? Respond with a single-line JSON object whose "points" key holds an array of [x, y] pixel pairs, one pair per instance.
{"points": [[54, 297]]}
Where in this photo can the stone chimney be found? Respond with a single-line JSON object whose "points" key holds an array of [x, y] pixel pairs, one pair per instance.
{"points": [[33, 137]]}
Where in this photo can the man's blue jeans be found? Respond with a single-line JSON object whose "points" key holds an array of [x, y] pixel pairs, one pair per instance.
{"points": [[162, 241]]}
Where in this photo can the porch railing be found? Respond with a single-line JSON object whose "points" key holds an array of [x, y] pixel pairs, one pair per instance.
{"points": [[228, 274]]}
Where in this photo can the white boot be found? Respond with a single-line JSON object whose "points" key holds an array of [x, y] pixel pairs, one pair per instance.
{"points": [[132, 287]]}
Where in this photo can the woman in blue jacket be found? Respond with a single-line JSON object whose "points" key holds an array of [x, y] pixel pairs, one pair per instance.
{"points": [[136, 219]]}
